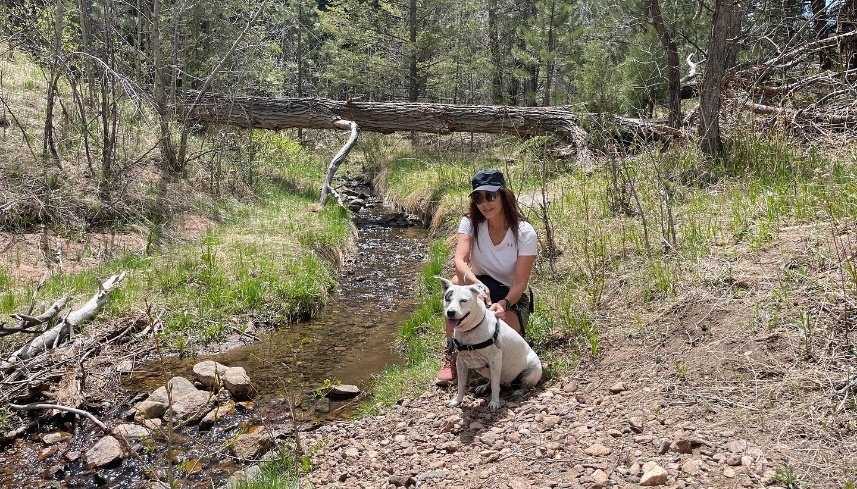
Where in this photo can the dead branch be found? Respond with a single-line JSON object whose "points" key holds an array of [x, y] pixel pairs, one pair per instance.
{"points": [[337, 160], [803, 115], [80, 412], [27, 321], [51, 312], [647, 129], [786, 59], [41, 284], [65, 328]]}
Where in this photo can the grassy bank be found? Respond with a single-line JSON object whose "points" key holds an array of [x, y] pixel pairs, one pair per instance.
{"points": [[270, 261], [621, 243], [625, 248]]}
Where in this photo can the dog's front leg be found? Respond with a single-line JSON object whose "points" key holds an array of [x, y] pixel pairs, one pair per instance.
{"points": [[496, 366], [461, 371]]}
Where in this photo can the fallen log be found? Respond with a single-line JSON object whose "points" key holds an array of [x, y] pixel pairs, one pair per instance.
{"points": [[387, 117], [796, 116], [53, 336]]}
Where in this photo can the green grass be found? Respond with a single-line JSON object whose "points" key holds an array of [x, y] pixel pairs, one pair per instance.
{"points": [[271, 261], [282, 472], [759, 188]]}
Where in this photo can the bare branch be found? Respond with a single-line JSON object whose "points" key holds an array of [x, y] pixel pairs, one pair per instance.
{"points": [[37, 405]]}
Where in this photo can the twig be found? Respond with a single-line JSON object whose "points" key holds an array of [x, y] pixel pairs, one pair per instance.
{"points": [[244, 333], [37, 405], [59, 252], [36, 292]]}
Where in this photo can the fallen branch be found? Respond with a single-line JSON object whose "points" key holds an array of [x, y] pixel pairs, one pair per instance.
{"points": [[337, 160], [37, 405], [803, 115], [52, 337], [27, 321]]}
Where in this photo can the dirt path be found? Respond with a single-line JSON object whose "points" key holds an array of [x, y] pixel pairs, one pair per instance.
{"points": [[571, 433]]}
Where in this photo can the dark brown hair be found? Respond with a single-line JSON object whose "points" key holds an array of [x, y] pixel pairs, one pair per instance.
{"points": [[511, 212]]}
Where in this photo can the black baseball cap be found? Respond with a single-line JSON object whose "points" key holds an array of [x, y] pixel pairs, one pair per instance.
{"points": [[490, 180]]}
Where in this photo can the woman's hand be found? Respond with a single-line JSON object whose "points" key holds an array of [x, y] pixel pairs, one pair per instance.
{"points": [[498, 309]]}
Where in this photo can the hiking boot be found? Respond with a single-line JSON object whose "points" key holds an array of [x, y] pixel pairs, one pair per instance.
{"points": [[447, 374]]}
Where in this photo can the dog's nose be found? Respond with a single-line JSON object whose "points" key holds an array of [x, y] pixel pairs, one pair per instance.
{"points": [[450, 314]]}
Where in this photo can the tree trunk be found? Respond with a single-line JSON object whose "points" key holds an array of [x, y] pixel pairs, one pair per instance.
{"points": [[48, 146], [316, 113], [673, 78], [413, 75], [494, 49], [109, 109], [549, 65], [722, 49], [819, 23], [168, 151], [299, 58], [847, 22]]}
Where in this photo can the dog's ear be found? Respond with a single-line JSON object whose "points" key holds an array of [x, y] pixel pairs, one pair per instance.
{"points": [[446, 284], [480, 292]]}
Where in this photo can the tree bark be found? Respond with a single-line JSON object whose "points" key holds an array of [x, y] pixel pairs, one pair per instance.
{"points": [[673, 78], [48, 145], [168, 150], [387, 117], [722, 49]]}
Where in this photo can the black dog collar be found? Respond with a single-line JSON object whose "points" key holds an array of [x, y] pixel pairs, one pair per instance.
{"points": [[485, 344]]}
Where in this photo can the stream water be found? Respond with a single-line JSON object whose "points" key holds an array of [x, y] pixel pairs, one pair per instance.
{"points": [[352, 339]]}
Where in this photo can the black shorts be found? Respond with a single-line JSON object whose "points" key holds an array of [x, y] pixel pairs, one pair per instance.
{"points": [[498, 291]]}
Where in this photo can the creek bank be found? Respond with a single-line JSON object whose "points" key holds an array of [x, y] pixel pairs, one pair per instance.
{"points": [[56, 450], [211, 401]]}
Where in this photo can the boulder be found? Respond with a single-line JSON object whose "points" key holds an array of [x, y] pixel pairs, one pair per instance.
{"points": [[343, 392], [210, 373], [253, 444], [131, 431], [106, 452], [193, 406], [237, 382]]}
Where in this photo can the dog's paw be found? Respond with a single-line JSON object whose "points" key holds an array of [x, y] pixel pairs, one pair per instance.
{"points": [[519, 392], [453, 403], [494, 405], [482, 389]]}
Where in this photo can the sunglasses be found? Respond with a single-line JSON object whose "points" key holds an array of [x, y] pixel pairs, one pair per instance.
{"points": [[482, 196]]}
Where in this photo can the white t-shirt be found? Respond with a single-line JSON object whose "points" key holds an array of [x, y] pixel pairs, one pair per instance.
{"points": [[499, 261]]}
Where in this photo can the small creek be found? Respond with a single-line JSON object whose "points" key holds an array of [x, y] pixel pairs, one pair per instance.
{"points": [[352, 339]]}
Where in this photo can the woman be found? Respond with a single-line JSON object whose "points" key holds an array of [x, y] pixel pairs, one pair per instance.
{"points": [[495, 248]]}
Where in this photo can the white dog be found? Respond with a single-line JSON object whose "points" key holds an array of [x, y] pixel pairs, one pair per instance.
{"points": [[486, 343]]}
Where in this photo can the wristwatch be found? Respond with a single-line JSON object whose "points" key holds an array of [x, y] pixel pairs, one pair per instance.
{"points": [[507, 305]]}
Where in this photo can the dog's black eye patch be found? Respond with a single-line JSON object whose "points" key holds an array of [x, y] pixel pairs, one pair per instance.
{"points": [[447, 296]]}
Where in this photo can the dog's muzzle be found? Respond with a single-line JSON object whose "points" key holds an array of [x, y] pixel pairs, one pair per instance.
{"points": [[453, 322]]}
